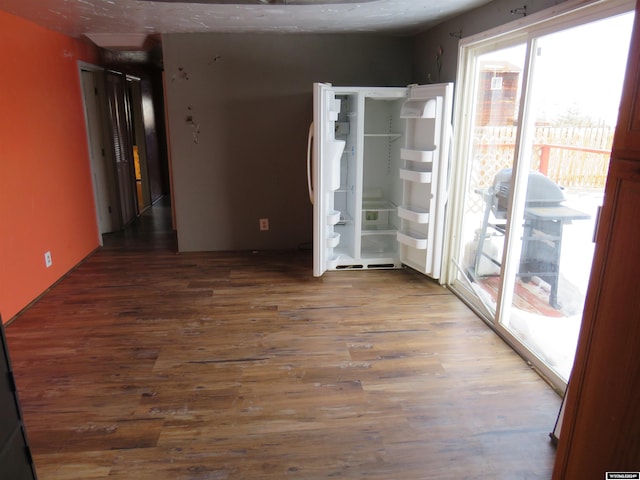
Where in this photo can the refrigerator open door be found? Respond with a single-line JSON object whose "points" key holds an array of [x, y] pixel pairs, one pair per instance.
{"points": [[323, 175], [425, 174]]}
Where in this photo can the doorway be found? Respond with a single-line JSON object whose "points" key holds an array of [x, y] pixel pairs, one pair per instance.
{"points": [[120, 132], [104, 192], [534, 140]]}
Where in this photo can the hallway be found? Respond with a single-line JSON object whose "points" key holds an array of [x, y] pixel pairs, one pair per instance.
{"points": [[151, 230], [147, 364]]}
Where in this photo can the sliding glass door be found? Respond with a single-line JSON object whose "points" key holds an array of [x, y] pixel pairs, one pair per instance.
{"points": [[535, 136]]}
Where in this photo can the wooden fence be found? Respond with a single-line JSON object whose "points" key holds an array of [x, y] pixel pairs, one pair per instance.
{"points": [[573, 157]]}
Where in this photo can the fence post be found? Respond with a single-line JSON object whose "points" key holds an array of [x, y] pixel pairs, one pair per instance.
{"points": [[544, 159]]}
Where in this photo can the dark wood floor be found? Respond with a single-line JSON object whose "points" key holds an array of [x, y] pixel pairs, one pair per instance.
{"points": [[147, 364]]}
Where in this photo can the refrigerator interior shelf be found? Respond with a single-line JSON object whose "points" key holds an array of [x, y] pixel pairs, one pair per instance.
{"points": [[345, 219], [413, 214], [378, 206], [379, 230], [417, 155], [333, 217], [412, 239], [415, 176], [393, 136], [333, 240]]}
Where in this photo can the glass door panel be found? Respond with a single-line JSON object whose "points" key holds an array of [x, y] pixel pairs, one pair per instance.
{"points": [[493, 130], [571, 116]]}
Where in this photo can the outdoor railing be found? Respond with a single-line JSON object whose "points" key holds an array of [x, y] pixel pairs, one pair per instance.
{"points": [[586, 168], [571, 156]]}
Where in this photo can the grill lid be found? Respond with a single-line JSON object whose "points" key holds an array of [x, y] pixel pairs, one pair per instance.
{"points": [[541, 190]]}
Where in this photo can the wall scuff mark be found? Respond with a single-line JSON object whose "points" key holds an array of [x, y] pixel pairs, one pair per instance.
{"points": [[195, 127]]}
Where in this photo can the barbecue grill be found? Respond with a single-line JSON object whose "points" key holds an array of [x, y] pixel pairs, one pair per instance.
{"points": [[544, 221], [541, 192]]}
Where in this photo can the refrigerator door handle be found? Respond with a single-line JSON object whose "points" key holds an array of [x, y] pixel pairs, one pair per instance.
{"points": [[309, 166]]}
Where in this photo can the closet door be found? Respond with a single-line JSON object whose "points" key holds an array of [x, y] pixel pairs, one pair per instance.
{"points": [[118, 104], [15, 456]]}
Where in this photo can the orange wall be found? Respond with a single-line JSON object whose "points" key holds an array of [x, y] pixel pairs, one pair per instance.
{"points": [[46, 197]]}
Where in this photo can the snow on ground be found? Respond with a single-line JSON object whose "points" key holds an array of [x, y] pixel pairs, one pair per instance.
{"points": [[554, 338]]}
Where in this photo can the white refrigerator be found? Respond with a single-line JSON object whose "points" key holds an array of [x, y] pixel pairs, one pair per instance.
{"points": [[378, 175]]}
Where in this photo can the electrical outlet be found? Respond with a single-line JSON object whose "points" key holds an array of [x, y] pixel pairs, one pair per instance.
{"points": [[47, 259], [264, 224]]}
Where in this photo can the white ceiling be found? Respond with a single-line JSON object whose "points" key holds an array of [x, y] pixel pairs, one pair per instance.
{"points": [[130, 21]]}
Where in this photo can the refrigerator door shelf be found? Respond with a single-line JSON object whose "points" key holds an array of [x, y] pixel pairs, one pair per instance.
{"points": [[333, 217], [415, 176], [334, 110], [414, 214], [423, 156], [420, 108], [335, 149], [413, 240], [333, 240]]}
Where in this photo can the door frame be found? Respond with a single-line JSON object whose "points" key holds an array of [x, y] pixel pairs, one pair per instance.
{"points": [[96, 126]]}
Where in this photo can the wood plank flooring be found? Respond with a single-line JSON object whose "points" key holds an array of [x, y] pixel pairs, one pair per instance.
{"points": [[147, 364]]}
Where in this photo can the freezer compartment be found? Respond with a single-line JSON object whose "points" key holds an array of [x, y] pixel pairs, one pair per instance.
{"points": [[344, 196]]}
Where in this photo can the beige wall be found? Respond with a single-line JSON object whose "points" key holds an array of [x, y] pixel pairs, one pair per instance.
{"points": [[249, 98], [247, 101]]}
